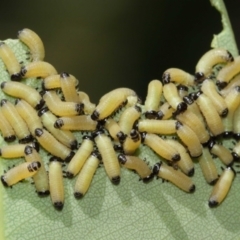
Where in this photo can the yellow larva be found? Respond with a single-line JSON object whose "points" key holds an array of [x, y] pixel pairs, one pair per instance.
{"points": [[160, 146], [232, 100], [191, 120], [109, 157], [208, 167], [20, 127], [16, 150], [222, 187], [131, 142], [128, 117], [176, 177], [221, 152], [65, 137], [38, 69], [29, 115], [56, 183], [157, 126], [189, 138], [209, 89], [178, 76], [81, 123], [153, 98], [34, 43], [23, 91], [185, 163], [6, 129], [193, 107], [114, 130], [85, 176], [67, 82], [236, 123], [10, 61], [52, 145], [88, 106], [228, 72], [136, 164], [41, 177], [78, 160], [20, 172], [233, 83], [61, 108], [210, 59], [210, 114], [165, 111], [171, 95], [53, 81], [116, 98]]}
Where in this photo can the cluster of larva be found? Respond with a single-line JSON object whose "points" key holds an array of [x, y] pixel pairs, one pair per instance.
{"points": [[183, 117]]}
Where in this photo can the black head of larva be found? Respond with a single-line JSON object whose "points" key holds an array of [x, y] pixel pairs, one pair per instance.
{"points": [[151, 114], [181, 107], [58, 205], [211, 143], [26, 139], [95, 115], [95, 134], [3, 101], [69, 157], [38, 132], [118, 147], [143, 136], [28, 150], [69, 174], [64, 75], [116, 180], [227, 134], [16, 76], [138, 108], [97, 154], [34, 166], [148, 178], [59, 123], [188, 100], [42, 111], [35, 145], [3, 181], [78, 195], [121, 136], [55, 159], [79, 108], [10, 138], [182, 87], [221, 84], [196, 95], [43, 193], [178, 125], [230, 57], [236, 156], [122, 158], [191, 172], [156, 168], [199, 76], [236, 136], [3, 85], [74, 144], [176, 157], [166, 78], [224, 112], [159, 115], [192, 189], [213, 182], [212, 203], [40, 104], [134, 135]]}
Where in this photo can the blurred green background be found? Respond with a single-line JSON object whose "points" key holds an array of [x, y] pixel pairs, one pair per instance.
{"points": [[118, 43]]}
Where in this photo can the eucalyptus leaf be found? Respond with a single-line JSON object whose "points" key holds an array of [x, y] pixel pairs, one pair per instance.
{"points": [[132, 210]]}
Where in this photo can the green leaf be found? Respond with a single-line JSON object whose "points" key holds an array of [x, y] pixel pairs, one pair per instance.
{"points": [[131, 210]]}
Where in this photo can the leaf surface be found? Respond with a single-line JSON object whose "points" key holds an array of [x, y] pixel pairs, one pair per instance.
{"points": [[131, 210]]}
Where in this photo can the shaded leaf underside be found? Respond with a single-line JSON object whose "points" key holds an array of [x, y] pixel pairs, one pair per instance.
{"points": [[128, 211]]}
